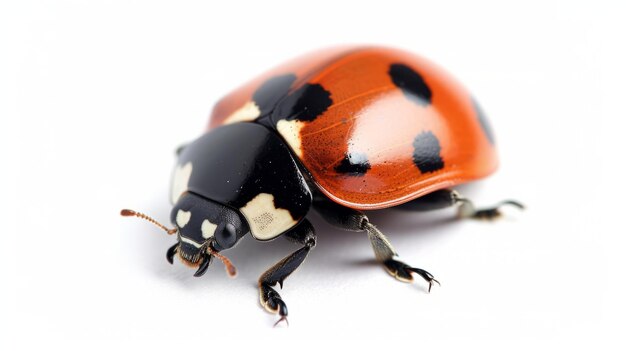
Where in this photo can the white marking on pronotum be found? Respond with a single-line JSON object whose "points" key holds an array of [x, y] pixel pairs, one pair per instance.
{"points": [[265, 220], [290, 130], [189, 241], [248, 112], [180, 181], [182, 218], [208, 229]]}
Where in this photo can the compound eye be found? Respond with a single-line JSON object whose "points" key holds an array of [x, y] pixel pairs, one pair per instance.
{"points": [[226, 235]]}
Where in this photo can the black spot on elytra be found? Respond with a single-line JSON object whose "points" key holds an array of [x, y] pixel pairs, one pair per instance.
{"points": [[304, 104], [427, 152], [484, 123], [411, 83], [354, 164], [272, 91]]}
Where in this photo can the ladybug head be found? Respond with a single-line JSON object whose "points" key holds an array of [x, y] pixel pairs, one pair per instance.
{"points": [[203, 228]]}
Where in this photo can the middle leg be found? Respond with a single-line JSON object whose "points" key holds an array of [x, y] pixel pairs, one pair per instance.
{"points": [[354, 220]]}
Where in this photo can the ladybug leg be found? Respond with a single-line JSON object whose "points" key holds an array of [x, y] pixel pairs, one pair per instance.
{"points": [[270, 299], [467, 209], [385, 254], [353, 220], [447, 197]]}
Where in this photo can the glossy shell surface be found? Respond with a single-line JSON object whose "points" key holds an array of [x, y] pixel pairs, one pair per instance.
{"points": [[375, 127]]}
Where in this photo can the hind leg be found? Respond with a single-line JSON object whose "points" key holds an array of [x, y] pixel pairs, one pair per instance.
{"points": [[447, 197]]}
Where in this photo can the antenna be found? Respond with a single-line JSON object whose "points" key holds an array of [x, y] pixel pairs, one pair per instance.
{"points": [[131, 213]]}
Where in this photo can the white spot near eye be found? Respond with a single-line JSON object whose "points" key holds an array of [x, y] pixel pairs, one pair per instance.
{"points": [[248, 112], [290, 130], [180, 181], [208, 229], [265, 220], [182, 218]]}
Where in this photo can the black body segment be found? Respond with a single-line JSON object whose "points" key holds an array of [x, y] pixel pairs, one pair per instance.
{"points": [[339, 216], [236, 163], [433, 201]]}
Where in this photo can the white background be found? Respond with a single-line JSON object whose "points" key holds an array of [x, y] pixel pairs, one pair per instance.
{"points": [[95, 97]]}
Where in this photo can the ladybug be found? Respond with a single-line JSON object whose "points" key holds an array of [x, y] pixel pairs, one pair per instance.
{"points": [[339, 131]]}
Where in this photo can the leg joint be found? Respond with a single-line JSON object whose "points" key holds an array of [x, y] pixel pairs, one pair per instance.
{"points": [[364, 222]]}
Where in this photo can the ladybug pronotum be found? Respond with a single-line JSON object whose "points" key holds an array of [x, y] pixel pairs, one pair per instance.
{"points": [[338, 131]]}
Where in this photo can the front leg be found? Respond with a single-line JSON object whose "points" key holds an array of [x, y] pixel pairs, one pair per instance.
{"points": [[302, 234]]}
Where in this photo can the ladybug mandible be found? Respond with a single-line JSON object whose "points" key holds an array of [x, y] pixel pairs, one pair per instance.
{"points": [[337, 131]]}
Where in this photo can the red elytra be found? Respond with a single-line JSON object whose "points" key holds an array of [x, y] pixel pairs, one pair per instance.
{"points": [[372, 119]]}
